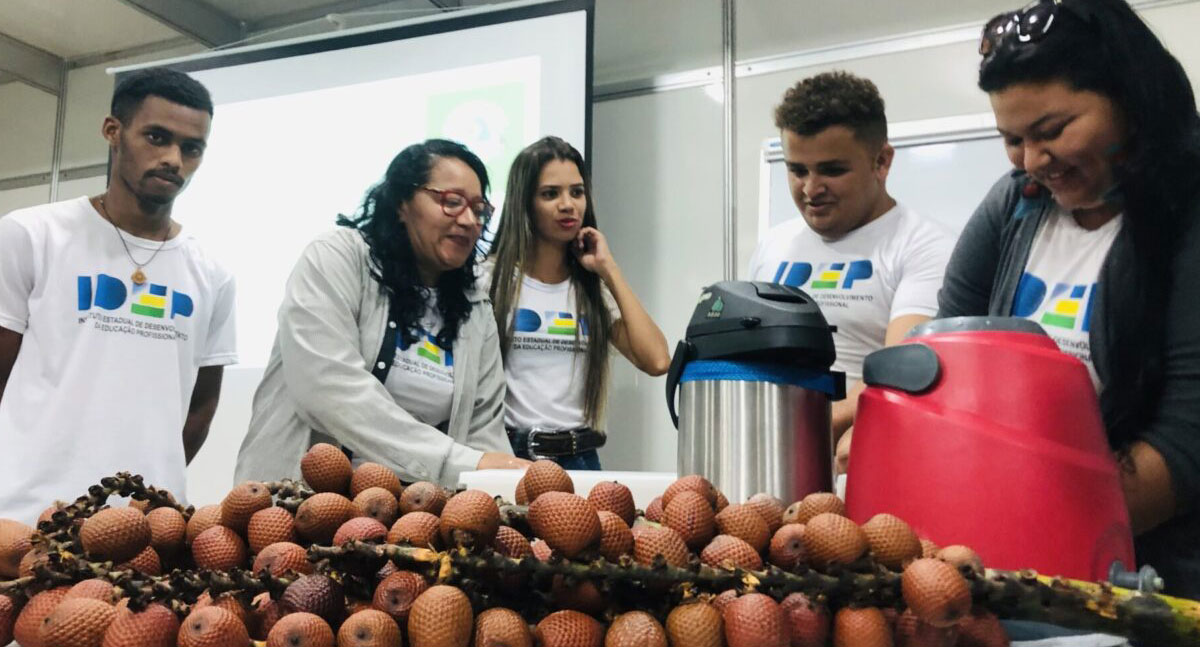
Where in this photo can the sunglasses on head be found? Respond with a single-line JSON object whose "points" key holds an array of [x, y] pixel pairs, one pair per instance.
{"points": [[1027, 25]]}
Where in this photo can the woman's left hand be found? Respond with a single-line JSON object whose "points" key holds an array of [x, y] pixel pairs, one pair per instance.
{"points": [[591, 248]]}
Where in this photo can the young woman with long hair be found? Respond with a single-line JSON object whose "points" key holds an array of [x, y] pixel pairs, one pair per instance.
{"points": [[560, 300]]}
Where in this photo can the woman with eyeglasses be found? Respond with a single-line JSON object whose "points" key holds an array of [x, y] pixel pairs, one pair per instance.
{"points": [[1100, 121], [560, 301], [385, 348]]}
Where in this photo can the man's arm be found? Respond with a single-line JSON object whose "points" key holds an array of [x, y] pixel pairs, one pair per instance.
{"points": [[845, 410], [10, 344], [200, 412]]}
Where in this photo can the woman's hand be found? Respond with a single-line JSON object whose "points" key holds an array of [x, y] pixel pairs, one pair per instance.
{"points": [[591, 248], [499, 461]]}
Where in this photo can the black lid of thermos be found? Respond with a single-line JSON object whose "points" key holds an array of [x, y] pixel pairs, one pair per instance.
{"points": [[753, 321]]}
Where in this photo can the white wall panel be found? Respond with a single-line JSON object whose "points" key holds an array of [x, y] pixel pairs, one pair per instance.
{"points": [[657, 170]]}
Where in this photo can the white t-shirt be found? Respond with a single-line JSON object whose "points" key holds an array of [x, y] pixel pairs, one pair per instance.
{"points": [[546, 365], [1058, 287], [422, 375], [106, 368], [888, 268]]}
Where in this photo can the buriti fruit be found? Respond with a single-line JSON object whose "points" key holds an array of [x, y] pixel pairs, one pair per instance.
{"points": [[154, 626], [368, 628], [769, 507], [300, 630], [500, 626], [270, 526], [615, 498], [372, 475], [936, 592], [417, 528], [635, 629], [470, 518], [691, 515], [546, 476], [379, 504], [326, 469], [242, 502], [116, 534], [567, 522], [212, 626], [441, 617], [422, 496], [696, 624]]}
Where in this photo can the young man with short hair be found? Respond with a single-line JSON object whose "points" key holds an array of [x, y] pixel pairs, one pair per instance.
{"points": [[115, 325], [872, 265]]}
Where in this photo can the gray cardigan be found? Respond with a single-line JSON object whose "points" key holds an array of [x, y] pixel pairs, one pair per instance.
{"points": [[982, 278], [318, 385]]}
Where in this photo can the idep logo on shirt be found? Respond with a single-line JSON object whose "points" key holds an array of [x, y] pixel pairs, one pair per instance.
{"points": [[428, 349], [1069, 306], [147, 300], [828, 276], [550, 322]]}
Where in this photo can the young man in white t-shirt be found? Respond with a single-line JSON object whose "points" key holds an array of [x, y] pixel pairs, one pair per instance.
{"points": [[115, 325], [872, 265]]}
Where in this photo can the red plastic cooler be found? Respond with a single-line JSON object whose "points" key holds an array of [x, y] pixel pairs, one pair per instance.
{"points": [[979, 431]]}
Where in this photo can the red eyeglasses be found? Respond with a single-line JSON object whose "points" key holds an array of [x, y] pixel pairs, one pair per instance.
{"points": [[454, 202]]}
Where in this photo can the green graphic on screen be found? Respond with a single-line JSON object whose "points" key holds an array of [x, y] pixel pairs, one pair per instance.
{"points": [[488, 120]]}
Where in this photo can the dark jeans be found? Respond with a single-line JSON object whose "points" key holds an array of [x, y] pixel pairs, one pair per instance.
{"points": [[588, 460]]}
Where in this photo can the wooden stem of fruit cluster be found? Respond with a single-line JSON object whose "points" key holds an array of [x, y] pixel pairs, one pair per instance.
{"points": [[61, 526], [1145, 618], [179, 589], [516, 517], [16, 587], [288, 489]]}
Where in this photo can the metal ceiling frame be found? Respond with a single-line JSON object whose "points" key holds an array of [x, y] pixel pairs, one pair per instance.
{"points": [[37, 67], [24, 62], [301, 16], [194, 19]]}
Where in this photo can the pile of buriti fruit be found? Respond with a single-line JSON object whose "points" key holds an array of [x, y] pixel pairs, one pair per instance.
{"points": [[352, 557]]}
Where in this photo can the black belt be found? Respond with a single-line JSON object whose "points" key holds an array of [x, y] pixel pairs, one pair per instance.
{"points": [[538, 443]]}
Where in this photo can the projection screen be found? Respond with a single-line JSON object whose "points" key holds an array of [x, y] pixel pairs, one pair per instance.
{"points": [[303, 128]]}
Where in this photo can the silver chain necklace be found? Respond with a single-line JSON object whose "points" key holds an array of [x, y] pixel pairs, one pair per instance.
{"points": [[138, 276]]}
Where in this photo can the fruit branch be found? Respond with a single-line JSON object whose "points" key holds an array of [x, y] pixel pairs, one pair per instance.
{"points": [[1144, 618]]}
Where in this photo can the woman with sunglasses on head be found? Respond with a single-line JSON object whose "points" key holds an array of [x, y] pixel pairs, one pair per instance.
{"points": [[385, 347], [1100, 121], [560, 300]]}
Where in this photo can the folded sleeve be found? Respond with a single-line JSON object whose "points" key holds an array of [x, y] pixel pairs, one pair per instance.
{"points": [[221, 346], [923, 266], [16, 274]]}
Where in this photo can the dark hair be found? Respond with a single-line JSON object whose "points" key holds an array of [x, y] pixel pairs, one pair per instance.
{"points": [[515, 243], [834, 99], [1102, 46], [393, 262], [169, 84]]}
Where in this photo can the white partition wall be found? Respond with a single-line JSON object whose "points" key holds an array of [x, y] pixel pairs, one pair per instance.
{"points": [[657, 166]]}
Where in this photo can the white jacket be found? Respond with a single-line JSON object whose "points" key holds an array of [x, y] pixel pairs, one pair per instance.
{"points": [[318, 385]]}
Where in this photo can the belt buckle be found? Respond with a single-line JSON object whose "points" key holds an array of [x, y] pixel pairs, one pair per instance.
{"points": [[531, 438]]}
